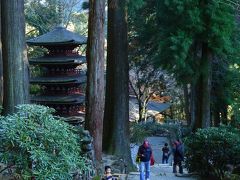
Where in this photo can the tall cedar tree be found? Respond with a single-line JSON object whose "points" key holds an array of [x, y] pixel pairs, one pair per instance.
{"points": [[184, 37], [14, 55], [1, 65], [116, 116], [95, 74]]}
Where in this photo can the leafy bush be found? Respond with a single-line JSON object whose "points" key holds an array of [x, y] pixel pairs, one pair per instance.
{"points": [[210, 150], [139, 131], [39, 145]]}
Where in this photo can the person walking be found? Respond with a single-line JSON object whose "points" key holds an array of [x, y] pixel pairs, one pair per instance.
{"points": [[178, 156], [145, 153], [165, 154]]}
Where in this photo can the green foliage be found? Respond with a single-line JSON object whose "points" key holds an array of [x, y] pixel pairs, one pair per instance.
{"points": [[85, 5], [172, 33], [43, 16], [96, 178], [139, 131], [39, 145], [35, 89], [134, 5], [208, 151]]}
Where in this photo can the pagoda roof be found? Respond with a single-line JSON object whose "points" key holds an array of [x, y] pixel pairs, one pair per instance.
{"points": [[58, 36], [58, 60], [70, 99], [77, 79]]}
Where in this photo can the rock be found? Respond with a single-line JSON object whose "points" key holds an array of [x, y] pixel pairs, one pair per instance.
{"points": [[87, 140], [87, 147]]}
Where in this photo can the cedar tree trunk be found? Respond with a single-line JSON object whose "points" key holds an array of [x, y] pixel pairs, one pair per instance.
{"points": [[116, 116], [15, 64], [95, 74], [1, 65]]}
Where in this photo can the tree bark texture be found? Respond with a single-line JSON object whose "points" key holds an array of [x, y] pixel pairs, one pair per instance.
{"points": [[203, 91], [142, 106], [15, 64], [1, 63], [116, 116], [216, 118], [206, 86], [193, 105], [187, 104], [95, 74]]}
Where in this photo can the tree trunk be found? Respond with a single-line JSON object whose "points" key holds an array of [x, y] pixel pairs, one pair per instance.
{"points": [[224, 119], [95, 74], [15, 64], [216, 117], [187, 104], [116, 117], [142, 111], [206, 86], [203, 91], [1, 63], [198, 91], [193, 105]]}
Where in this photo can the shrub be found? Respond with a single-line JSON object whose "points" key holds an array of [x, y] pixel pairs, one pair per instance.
{"points": [[208, 151], [39, 145], [139, 131]]}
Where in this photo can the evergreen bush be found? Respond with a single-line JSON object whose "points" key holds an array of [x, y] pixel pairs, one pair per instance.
{"points": [[139, 131], [210, 150], [38, 145]]}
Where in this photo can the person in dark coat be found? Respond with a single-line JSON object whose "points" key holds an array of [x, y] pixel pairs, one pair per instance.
{"points": [[165, 154], [178, 156], [145, 153]]}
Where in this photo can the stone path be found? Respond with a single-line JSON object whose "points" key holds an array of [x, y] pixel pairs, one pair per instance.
{"points": [[158, 171]]}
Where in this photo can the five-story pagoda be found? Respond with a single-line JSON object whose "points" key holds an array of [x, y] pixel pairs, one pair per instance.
{"points": [[63, 74]]}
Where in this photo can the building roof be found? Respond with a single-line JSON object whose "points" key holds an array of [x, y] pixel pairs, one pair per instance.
{"points": [[71, 99], [76, 79], [58, 36], [58, 60]]}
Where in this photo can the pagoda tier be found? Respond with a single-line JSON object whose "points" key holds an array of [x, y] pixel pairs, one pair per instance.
{"points": [[71, 105], [56, 90], [60, 60], [65, 80], [61, 71], [58, 36], [63, 74], [71, 99]]}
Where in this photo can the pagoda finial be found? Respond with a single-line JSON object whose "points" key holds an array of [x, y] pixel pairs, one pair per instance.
{"points": [[60, 12]]}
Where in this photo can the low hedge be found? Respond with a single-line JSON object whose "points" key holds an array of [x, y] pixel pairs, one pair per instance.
{"points": [[209, 151]]}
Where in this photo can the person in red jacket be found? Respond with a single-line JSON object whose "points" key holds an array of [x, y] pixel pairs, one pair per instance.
{"points": [[145, 153]]}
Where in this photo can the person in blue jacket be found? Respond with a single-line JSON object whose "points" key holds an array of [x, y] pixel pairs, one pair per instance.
{"points": [[145, 153]]}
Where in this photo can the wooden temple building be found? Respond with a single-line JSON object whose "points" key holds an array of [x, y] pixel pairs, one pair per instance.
{"points": [[63, 73]]}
